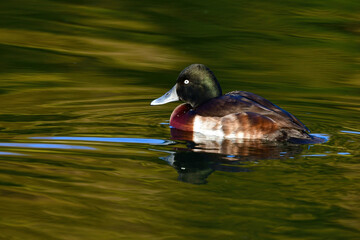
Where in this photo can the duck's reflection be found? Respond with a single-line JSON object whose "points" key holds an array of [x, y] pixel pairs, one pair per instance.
{"points": [[203, 156], [195, 167]]}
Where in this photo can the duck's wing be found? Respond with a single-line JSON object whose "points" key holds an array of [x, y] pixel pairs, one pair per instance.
{"points": [[269, 105], [241, 101]]}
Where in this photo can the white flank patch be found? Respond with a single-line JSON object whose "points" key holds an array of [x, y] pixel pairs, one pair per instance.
{"points": [[210, 128], [235, 135]]}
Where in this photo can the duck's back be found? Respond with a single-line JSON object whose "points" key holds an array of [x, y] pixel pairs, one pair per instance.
{"points": [[247, 115]]}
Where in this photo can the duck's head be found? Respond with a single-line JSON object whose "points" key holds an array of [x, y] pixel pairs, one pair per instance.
{"points": [[195, 85]]}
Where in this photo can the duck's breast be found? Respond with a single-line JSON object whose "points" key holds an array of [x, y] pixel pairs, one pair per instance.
{"points": [[182, 118]]}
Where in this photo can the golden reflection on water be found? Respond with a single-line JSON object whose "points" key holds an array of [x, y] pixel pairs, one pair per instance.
{"points": [[111, 52]]}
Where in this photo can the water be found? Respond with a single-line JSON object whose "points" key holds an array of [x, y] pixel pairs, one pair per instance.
{"points": [[84, 156]]}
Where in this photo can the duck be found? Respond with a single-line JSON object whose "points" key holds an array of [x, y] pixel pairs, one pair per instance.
{"points": [[234, 115]]}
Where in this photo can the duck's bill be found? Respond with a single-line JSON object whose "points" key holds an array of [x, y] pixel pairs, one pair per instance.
{"points": [[170, 96]]}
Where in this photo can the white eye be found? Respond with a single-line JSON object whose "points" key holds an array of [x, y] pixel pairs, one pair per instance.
{"points": [[186, 81]]}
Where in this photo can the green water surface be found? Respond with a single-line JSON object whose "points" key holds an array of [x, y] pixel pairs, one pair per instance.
{"points": [[84, 156]]}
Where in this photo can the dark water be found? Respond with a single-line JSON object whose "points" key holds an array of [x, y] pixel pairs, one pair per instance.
{"points": [[84, 156]]}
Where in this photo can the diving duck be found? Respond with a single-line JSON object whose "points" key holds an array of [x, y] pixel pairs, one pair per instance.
{"points": [[234, 115]]}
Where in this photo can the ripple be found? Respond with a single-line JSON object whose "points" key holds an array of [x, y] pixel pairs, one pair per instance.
{"points": [[352, 132], [323, 136], [11, 154], [114, 140], [344, 153], [41, 145], [314, 155]]}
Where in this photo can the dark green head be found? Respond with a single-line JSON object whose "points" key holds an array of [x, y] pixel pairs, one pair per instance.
{"points": [[195, 85]]}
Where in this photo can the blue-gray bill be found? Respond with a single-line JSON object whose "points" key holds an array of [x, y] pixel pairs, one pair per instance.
{"points": [[170, 96]]}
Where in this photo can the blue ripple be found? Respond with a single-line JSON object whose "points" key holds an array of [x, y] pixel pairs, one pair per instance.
{"points": [[114, 140], [42, 145], [353, 132], [11, 153], [323, 136], [314, 155], [343, 153]]}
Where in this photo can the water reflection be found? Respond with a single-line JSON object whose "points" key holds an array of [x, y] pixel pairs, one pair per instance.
{"points": [[243, 147], [11, 154], [351, 132], [195, 167], [197, 157], [109, 139], [47, 146], [201, 156]]}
